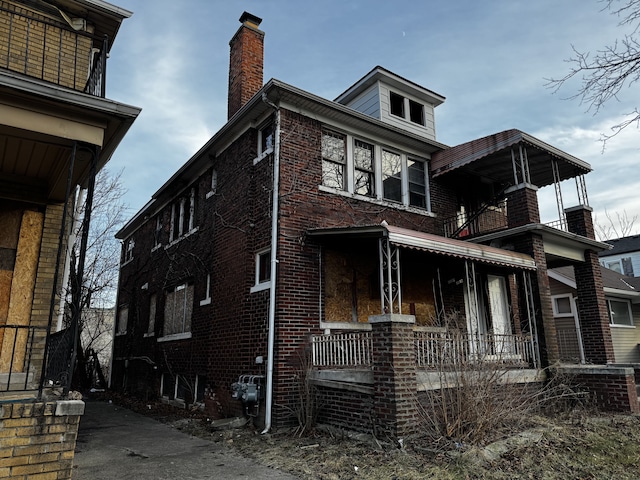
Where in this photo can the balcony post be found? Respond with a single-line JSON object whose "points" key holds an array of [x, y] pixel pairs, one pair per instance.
{"points": [[394, 375]]}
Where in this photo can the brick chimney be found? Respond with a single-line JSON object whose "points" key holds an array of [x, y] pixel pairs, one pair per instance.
{"points": [[245, 63]]}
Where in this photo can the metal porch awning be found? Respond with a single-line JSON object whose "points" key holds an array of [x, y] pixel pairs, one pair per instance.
{"points": [[407, 238]]}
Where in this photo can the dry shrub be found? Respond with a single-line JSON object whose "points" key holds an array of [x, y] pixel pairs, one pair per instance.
{"points": [[305, 408], [484, 401]]}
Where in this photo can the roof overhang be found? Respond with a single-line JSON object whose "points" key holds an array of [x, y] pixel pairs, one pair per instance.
{"points": [[560, 247], [38, 126], [490, 158], [427, 242], [285, 96]]}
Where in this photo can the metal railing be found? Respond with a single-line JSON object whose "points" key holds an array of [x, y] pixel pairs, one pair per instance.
{"points": [[344, 350], [435, 350], [489, 219], [19, 366], [49, 51]]}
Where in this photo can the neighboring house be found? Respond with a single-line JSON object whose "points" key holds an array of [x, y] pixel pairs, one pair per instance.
{"points": [[343, 234], [623, 308], [624, 257], [57, 130]]}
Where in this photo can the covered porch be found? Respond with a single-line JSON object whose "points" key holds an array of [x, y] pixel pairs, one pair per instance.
{"points": [[469, 303]]}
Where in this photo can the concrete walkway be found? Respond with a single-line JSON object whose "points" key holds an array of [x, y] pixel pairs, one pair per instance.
{"points": [[115, 443]]}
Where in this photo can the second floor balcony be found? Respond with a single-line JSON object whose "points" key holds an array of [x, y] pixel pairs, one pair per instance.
{"points": [[67, 54]]}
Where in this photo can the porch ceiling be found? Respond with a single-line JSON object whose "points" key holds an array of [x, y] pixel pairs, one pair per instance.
{"points": [[403, 237], [490, 158]]}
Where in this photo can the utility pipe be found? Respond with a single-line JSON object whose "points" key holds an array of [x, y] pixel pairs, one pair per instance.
{"points": [[274, 263]]}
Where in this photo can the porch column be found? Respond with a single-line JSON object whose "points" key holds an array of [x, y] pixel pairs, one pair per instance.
{"points": [[522, 205], [394, 375], [533, 244], [592, 307]]}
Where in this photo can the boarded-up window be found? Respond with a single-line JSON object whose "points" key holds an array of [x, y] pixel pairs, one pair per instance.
{"points": [[152, 314], [178, 307]]}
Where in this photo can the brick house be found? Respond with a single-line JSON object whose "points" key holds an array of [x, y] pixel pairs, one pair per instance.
{"points": [[343, 234], [57, 130]]}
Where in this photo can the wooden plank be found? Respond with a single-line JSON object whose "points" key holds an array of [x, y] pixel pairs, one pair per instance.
{"points": [[22, 289]]}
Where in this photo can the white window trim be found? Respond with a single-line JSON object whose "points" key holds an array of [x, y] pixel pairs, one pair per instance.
{"points": [[259, 286], [629, 308], [378, 198], [572, 314], [269, 150], [207, 300], [406, 107]]}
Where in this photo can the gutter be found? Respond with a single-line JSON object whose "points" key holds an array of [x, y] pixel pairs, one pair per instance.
{"points": [[274, 263]]}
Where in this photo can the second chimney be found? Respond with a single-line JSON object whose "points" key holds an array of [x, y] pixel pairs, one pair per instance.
{"points": [[245, 63]]}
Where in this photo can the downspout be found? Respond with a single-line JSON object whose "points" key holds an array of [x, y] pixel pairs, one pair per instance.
{"points": [[274, 263]]}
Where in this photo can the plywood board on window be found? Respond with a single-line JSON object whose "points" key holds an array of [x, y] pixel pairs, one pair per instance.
{"points": [[22, 289]]}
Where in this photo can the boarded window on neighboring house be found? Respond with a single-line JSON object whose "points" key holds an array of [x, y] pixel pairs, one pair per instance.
{"points": [[627, 266]]}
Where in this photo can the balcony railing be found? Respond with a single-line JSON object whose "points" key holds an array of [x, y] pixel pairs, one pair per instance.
{"points": [[342, 350], [43, 49], [468, 224], [445, 350]]}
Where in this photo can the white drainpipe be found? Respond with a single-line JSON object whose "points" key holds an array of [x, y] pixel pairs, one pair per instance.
{"points": [[274, 263]]}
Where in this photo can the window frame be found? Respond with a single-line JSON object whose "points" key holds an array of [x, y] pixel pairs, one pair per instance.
{"points": [[326, 160], [153, 311], [410, 110], [262, 258], [123, 320], [631, 323], [129, 245], [572, 306], [185, 331], [377, 174]]}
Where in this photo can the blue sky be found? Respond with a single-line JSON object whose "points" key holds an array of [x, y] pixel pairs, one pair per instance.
{"points": [[489, 59]]}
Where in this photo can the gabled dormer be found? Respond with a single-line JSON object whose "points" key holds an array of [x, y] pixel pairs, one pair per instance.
{"points": [[394, 100]]}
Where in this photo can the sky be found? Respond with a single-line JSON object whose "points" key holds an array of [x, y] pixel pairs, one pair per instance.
{"points": [[490, 59]]}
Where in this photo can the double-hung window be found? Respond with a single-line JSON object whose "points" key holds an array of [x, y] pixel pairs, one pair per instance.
{"points": [[391, 176], [178, 307], [334, 156], [417, 183], [364, 166]]}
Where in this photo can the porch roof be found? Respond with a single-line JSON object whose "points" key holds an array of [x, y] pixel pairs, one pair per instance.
{"points": [[490, 157], [404, 237]]}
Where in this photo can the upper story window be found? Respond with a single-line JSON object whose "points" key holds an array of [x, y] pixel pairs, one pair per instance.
{"points": [[129, 244], [123, 318], [623, 266], [266, 141], [364, 165], [399, 106], [183, 215], [157, 234], [365, 169], [333, 159]]}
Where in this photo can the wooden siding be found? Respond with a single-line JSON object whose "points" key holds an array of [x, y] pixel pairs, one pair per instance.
{"points": [[428, 130], [626, 340], [368, 103]]}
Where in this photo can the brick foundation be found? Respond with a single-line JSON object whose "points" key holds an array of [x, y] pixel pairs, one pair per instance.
{"points": [[38, 439], [613, 388]]}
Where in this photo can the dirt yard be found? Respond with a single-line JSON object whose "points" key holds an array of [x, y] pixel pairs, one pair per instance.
{"points": [[577, 445]]}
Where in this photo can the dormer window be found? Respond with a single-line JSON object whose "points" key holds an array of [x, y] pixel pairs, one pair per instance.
{"points": [[399, 105]]}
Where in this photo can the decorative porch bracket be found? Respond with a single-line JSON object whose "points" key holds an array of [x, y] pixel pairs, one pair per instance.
{"points": [[520, 164], [390, 294]]}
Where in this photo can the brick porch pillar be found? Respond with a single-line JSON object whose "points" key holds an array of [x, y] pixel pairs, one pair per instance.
{"points": [[522, 205], [522, 209], [592, 307], [394, 375]]}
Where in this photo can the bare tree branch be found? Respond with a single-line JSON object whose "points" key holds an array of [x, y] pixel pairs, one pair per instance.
{"points": [[605, 73]]}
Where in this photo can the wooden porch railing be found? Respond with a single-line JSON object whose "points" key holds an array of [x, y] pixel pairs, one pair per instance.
{"points": [[436, 350], [352, 349], [433, 350]]}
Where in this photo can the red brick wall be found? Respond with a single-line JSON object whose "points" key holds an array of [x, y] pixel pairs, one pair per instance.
{"points": [[612, 392], [245, 66], [522, 207]]}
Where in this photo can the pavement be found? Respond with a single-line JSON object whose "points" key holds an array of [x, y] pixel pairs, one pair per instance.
{"points": [[115, 443]]}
